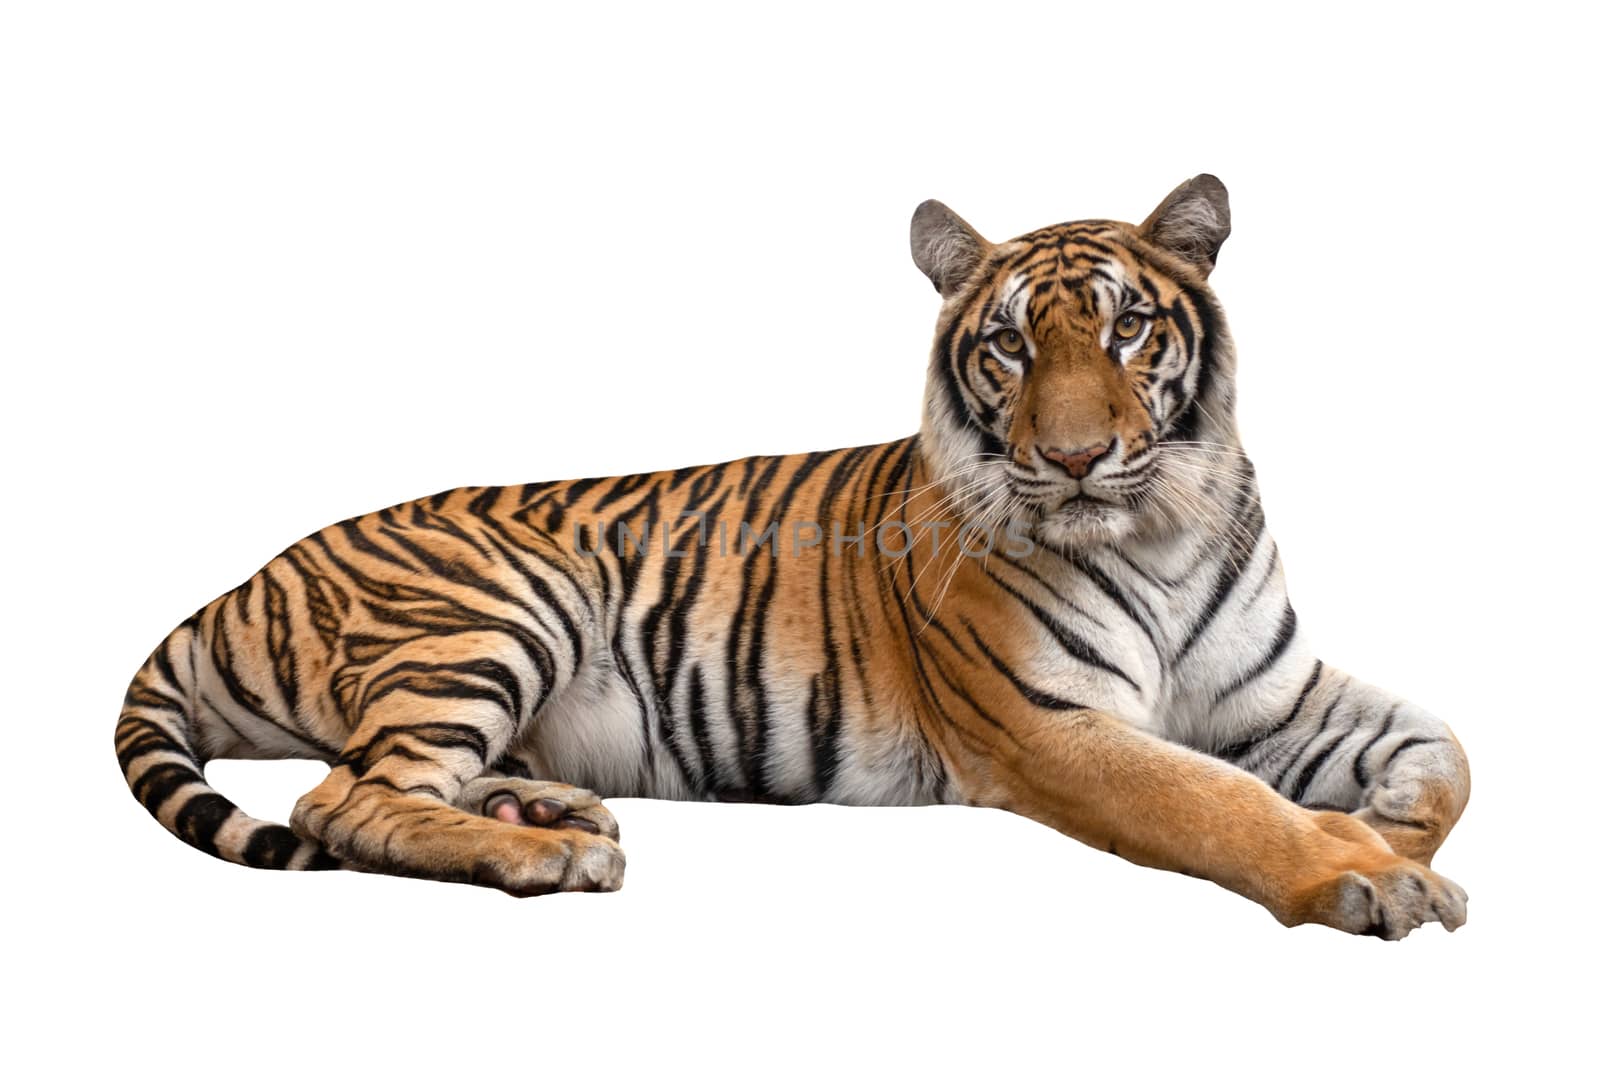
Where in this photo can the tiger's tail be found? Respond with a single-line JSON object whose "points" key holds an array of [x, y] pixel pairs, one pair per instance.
{"points": [[163, 753]]}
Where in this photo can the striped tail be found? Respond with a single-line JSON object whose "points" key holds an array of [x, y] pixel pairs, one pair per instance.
{"points": [[163, 755]]}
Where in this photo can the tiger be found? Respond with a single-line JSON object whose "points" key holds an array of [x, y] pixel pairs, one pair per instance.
{"points": [[1057, 598]]}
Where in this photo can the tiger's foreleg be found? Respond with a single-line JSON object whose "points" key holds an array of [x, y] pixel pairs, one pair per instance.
{"points": [[404, 796], [1113, 786], [1347, 745]]}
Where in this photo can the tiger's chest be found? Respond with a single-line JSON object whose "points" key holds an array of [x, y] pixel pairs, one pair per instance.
{"points": [[1153, 639]]}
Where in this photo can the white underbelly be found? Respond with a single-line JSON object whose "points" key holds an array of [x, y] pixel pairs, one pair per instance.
{"points": [[592, 735]]}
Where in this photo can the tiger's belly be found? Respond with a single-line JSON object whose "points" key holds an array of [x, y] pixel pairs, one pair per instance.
{"points": [[594, 734], [599, 733]]}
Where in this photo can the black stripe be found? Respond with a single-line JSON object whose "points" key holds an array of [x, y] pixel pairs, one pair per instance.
{"points": [[1110, 589], [158, 783], [710, 777], [1033, 694], [1286, 630], [756, 653], [621, 487], [222, 660], [427, 679], [362, 544], [1228, 577], [270, 847], [1237, 750], [280, 646], [1358, 764], [541, 590], [437, 733], [579, 487], [1309, 770], [1322, 725], [155, 743], [163, 664], [1069, 640], [1404, 746], [200, 819]]}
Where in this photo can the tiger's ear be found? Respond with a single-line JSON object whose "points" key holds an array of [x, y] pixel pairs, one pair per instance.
{"points": [[944, 247], [1192, 223]]}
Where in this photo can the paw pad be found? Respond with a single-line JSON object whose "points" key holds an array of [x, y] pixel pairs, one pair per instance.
{"points": [[539, 813]]}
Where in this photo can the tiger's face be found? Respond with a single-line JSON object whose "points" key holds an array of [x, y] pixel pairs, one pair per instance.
{"points": [[1076, 365]]}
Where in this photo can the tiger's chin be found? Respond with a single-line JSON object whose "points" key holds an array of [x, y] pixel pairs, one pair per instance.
{"points": [[1085, 522]]}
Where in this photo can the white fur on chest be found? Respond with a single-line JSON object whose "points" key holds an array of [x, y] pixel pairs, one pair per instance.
{"points": [[1104, 626], [1059, 673]]}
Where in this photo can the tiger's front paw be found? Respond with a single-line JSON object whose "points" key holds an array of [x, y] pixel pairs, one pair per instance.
{"points": [[1377, 892], [1389, 903], [1412, 814], [1418, 796]]}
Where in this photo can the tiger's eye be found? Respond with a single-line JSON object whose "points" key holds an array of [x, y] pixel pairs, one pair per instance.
{"points": [[1129, 326], [1010, 342]]}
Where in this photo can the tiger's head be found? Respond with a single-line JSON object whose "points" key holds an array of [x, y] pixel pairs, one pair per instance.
{"points": [[1081, 374]]}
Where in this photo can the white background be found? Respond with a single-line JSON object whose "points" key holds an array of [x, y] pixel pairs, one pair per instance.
{"points": [[266, 267]]}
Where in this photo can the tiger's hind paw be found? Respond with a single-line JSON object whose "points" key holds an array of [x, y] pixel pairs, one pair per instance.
{"points": [[539, 804]]}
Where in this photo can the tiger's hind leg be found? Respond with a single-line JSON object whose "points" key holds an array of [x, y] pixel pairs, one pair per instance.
{"points": [[434, 715]]}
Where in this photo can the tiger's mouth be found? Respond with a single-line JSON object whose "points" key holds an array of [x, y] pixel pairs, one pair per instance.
{"points": [[1083, 517], [1081, 500], [1085, 509], [1076, 512], [1085, 504]]}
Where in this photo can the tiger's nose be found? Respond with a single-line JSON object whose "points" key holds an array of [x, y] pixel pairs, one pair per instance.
{"points": [[1079, 463]]}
